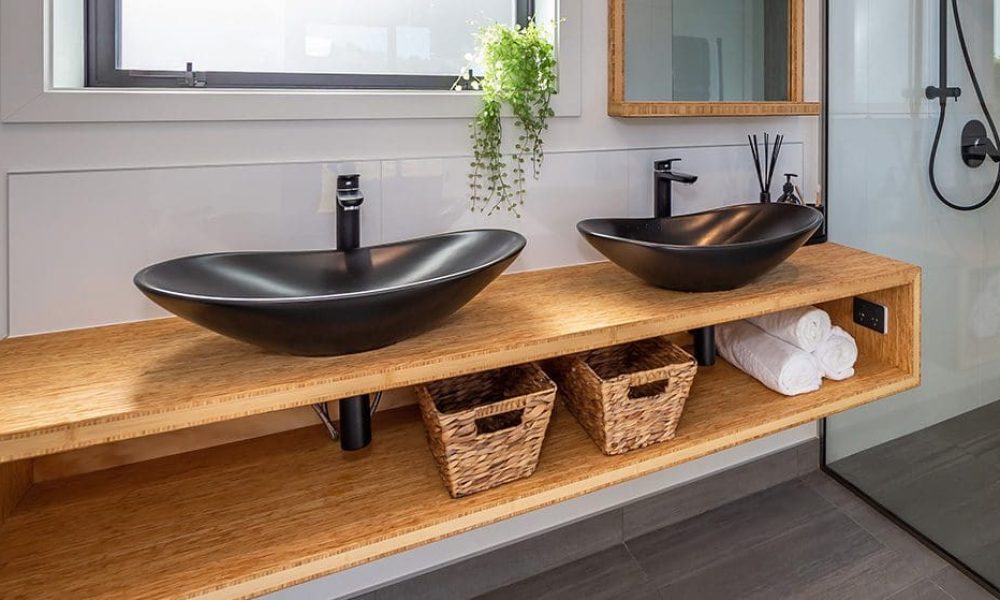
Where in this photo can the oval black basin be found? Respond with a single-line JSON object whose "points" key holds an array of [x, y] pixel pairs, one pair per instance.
{"points": [[326, 303], [721, 249]]}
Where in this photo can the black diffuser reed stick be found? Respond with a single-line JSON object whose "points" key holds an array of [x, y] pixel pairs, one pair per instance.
{"points": [[766, 167]]}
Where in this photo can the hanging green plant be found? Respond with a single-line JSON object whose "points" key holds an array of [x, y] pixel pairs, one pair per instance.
{"points": [[519, 71]]}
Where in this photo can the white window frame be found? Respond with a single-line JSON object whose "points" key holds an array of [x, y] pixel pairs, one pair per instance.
{"points": [[27, 94]]}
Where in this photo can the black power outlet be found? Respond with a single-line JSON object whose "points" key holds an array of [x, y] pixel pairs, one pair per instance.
{"points": [[871, 315]]}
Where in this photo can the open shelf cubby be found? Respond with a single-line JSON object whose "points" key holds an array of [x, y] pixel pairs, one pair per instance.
{"points": [[241, 519]]}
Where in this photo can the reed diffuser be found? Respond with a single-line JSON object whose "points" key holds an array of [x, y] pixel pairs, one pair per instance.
{"points": [[765, 168]]}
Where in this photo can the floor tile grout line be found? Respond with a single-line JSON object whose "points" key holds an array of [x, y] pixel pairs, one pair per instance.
{"points": [[896, 594], [881, 547], [649, 578], [846, 512], [621, 524], [875, 534], [938, 586], [726, 502], [660, 591], [831, 503], [794, 478], [935, 580], [831, 510]]}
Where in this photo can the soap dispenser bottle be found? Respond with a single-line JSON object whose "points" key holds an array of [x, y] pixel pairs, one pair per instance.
{"points": [[790, 194]]}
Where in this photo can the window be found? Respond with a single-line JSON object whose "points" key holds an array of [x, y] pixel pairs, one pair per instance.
{"points": [[381, 44]]}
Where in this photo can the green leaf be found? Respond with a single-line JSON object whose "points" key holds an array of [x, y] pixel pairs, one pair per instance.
{"points": [[520, 72]]}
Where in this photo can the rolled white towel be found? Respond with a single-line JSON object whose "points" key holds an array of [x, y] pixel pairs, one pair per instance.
{"points": [[837, 355], [775, 363], [806, 328]]}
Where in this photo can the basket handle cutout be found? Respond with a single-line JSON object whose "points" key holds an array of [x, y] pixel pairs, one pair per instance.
{"points": [[500, 422], [648, 390]]}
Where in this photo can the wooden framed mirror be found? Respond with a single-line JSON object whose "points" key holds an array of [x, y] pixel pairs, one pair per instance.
{"points": [[707, 58]]}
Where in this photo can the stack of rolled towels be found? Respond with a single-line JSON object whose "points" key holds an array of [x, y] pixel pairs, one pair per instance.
{"points": [[790, 352]]}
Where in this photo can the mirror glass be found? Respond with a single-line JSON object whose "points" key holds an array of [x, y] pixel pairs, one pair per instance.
{"points": [[707, 50]]}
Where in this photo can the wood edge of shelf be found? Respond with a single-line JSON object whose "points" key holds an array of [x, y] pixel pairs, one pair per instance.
{"points": [[32, 443], [890, 380], [620, 106], [680, 110], [15, 479], [361, 554]]}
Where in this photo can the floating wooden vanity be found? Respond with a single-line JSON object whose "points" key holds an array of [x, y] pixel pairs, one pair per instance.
{"points": [[246, 518]]}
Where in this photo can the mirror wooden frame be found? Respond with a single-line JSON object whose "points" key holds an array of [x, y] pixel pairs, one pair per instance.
{"points": [[618, 106]]}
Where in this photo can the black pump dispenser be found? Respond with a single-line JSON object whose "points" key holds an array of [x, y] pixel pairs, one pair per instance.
{"points": [[789, 194]]}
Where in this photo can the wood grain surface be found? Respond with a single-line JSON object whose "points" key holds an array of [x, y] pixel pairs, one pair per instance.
{"points": [[247, 518], [900, 347], [15, 480], [134, 450], [82, 388]]}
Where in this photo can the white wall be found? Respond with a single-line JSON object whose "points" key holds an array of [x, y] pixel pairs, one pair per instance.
{"points": [[880, 140], [91, 202], [83, 235]]}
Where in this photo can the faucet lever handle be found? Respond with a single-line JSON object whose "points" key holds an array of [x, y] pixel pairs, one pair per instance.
{"points": [[666, 164], [349, 192], [348, 183]]}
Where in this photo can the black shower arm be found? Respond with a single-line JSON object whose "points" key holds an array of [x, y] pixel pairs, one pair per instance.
{"points": [[943, 92]]}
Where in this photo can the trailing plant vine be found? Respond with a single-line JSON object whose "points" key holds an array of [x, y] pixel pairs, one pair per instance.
{"points": [[520, 72]]}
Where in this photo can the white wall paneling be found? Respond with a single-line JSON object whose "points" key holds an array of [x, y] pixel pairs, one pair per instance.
{"points": [[726, 175], [84, 234], [424, 196]]}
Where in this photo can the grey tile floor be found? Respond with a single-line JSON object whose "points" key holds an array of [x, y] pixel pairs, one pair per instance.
{"points": [[945, 482], [803, 539]]}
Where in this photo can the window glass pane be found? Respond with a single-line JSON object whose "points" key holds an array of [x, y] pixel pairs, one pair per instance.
{"points": [[405, 37]]}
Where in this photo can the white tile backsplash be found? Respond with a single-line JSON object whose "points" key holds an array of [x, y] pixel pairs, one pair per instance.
{"points": [[423, 197], [77, 238], [726, 176]]}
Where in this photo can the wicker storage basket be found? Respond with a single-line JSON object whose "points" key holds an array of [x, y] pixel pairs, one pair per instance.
{"points": [[487, 429], [629, 396]]}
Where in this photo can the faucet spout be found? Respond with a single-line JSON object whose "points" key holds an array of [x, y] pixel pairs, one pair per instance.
{"points": [[678, 177], [349, 201], [665, 169], [664, 177]]}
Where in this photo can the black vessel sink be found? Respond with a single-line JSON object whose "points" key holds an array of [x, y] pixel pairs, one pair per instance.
{"points": [[712, 251], [326, 303]]}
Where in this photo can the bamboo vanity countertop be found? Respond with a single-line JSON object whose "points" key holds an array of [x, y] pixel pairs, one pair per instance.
{"points": [[69, 390]]}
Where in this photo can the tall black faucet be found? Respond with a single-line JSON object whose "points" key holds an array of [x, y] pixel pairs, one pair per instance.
{"points": [[349, 201], [664, 177], [355, 412]]}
